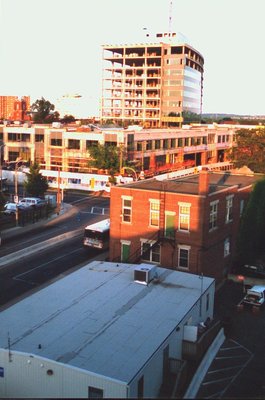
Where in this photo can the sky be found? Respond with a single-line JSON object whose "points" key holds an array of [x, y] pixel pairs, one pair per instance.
{"points": [[51, 48]]}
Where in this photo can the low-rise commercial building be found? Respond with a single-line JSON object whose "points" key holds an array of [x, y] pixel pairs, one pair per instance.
{"points": [[67, 147], [108, 330]]}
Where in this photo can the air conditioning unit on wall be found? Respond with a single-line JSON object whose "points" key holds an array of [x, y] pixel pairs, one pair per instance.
{"points": [[144, 273]]}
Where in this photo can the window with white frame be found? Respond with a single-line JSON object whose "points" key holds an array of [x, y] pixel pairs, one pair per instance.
{"points": [[150, 251], [184, 216], [226, 247], [213, 215], [154, 212], [183, 256], [229, 209], [126, 209]]}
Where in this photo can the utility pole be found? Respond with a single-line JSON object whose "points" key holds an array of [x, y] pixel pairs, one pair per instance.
{"points": [[1, 161], [59, 191], [16, 194]]}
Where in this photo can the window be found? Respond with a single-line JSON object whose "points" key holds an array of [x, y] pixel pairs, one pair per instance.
{"points": [[18, 137], [91, 143], [154, 212], [95, 393], [39, 138], [157, 144], [229, 209], [74, 144], [184, 216], [213, 215], [183, 257], [127, 209], [150, 251], [56, 142], [226, 247]]}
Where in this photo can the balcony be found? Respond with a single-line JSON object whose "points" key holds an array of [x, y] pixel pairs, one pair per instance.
{"points": [[194, 351]]}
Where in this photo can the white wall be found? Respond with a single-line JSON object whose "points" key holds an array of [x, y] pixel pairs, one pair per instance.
{"points": [[153, 371], [26, 376]]}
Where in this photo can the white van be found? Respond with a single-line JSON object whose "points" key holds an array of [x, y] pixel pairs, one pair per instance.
{"points": [[31, 201]]}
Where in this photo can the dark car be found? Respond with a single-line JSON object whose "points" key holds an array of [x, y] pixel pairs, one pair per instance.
{"points": [[253, 270], [10, 208]]}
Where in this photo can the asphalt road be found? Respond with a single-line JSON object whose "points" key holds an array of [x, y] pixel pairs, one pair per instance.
{"points": [[84, 210], [238, 370], [30, 271]]}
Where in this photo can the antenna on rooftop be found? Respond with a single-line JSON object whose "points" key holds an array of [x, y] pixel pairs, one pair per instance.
{"points": [[170, 18]]}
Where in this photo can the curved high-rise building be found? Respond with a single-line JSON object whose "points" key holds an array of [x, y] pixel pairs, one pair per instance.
{"points": [[151, 84]]}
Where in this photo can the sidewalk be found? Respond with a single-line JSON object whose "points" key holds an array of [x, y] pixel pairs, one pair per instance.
{"points": [[21, 230]]}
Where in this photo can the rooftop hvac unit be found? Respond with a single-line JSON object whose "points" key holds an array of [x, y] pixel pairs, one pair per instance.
{"points": [[144, 274]]}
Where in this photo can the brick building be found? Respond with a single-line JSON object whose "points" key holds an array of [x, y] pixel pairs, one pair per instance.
{"points": [[189, 223], [13, 108]]}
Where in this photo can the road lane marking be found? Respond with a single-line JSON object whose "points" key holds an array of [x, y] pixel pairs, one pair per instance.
{"points": [[18, 277]]}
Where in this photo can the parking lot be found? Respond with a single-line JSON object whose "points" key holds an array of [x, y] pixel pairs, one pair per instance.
{"points": [[238, 368]]}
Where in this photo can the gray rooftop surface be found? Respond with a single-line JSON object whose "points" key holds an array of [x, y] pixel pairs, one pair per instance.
{"points": [[190, 184], [99, 319]]}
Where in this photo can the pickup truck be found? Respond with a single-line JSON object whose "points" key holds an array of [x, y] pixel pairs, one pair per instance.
{"points": [[255, 296]]}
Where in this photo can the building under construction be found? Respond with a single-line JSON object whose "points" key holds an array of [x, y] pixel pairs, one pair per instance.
{"points": [[151, 84]]}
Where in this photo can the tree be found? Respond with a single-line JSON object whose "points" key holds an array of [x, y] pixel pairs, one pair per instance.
{"points": [[36, 184], [251, 236], [67, 119], [104, 157], [43, 111], [249, 149], [190, 117]]}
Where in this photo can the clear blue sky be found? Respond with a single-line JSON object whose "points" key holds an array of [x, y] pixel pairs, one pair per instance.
{"points": [[52, 47]]}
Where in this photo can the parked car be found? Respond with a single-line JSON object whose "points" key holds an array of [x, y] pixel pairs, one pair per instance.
{"points": [[253, 270], [10, 208], [32, 202], [255, 296]]}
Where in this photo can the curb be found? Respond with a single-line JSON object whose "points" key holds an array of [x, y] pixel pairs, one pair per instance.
{"points": [[204, 366], [21, 230], [39, 246]]}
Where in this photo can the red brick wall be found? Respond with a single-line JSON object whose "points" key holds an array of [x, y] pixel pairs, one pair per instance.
{"points": [[207, 248]]}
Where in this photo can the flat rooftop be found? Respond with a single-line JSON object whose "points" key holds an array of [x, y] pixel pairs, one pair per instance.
{"points": [[99, 319], [190, 184]]}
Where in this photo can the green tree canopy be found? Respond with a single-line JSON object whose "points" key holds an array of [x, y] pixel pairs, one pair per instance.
{"points": [[249, 149], [43, 111], [251, 236], [104, 157], [35, 184], [68, 118]]}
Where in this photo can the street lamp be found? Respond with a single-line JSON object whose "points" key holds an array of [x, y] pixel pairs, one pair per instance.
{"points": [[16, 191]]}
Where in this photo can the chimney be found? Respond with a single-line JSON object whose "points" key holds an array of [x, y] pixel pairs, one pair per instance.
{"points": [[204, 181]]}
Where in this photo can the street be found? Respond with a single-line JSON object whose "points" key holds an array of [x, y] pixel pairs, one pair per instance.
{"points": [[25, 272]]}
